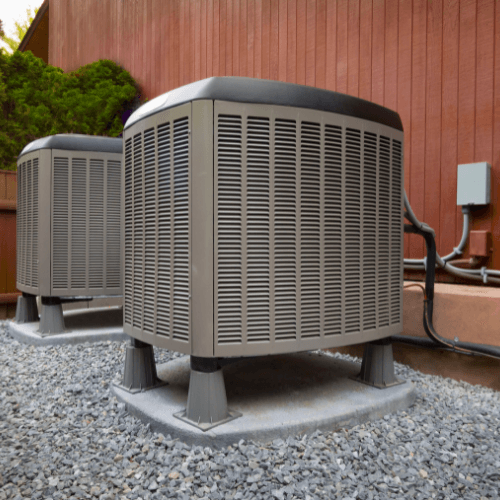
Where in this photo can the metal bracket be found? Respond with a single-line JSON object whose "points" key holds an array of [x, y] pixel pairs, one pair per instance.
{"points": [[26, 309], [207, 402], [51, 318], [140, 374], [377, 367]]}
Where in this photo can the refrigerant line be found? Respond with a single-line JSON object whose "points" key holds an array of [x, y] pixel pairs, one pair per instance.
{"points": [[485, 275]]}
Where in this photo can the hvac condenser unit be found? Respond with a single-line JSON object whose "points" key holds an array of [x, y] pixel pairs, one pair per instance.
{"points": [[68, 220], [261, 217]]}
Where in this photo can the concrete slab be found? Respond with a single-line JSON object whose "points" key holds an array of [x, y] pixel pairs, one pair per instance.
{"points": [[278, 396], [82, 325]]}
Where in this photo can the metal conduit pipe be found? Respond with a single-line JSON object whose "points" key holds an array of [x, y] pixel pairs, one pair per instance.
{"points": [[483, 274], [456, 251]]}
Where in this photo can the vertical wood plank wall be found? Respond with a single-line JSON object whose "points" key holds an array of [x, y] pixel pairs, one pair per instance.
{"points": [[435, 62], [8, 197]]}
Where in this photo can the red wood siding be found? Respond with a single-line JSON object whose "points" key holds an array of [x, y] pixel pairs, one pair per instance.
{"points": [[436, 62], [8, 196]]}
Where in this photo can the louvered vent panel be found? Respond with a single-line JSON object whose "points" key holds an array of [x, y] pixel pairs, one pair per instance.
{"points": [[352, 250], [96, 224], [285, 233], [19, 222], [384, 230], [157, 230], [79, 218], [138, 218], [308, 229], [25, 224], [310, 156], [370, 231], [164, 294], [229, 230], [35, 252], [396, 241], [333, 230], [181, 307], [60, 224], [29, 221], [113, 221], [129, 235], [257, 229], [150, 230], [26, 216]]}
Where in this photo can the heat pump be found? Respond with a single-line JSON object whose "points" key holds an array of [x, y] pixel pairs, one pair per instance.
{"points": [[69, 217], [261, 218]]}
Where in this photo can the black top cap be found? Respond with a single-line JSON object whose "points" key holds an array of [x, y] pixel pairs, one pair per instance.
{"points": [[256, 91], [76, 142]]}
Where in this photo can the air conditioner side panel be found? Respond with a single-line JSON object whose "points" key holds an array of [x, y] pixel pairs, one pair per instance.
{"points": [[32, 171], [308, 230], [157, 229], [85, 225]]}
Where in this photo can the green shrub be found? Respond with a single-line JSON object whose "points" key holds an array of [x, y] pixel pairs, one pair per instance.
{"points": [[39, 100]]}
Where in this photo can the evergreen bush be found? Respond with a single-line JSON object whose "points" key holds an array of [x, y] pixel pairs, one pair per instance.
{"points": [[39, 100]]}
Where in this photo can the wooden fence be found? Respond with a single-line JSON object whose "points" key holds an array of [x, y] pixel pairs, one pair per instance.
{"points": [[8, 196]]}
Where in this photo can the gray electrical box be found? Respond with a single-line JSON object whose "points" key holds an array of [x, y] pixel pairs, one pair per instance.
{"points": [[474, 184]]}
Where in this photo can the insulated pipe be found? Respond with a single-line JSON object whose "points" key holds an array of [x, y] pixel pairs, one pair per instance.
{"points": [[456, 251], [483, 274], [463, 347]]}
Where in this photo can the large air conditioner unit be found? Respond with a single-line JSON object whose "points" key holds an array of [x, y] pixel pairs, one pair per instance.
{"points": [[68, 223], [260, 218]]}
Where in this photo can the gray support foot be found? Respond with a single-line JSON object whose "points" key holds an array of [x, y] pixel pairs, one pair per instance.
{"points": [[51, 319], [26, 309], [140, 368], [377, 368], [207, 401]]}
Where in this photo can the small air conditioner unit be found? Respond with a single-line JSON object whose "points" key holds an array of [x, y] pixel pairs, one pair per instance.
{"points": [[261, 218], [68, 223]]}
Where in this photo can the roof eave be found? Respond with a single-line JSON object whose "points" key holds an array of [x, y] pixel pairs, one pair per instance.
{"points": [[34, 25]]}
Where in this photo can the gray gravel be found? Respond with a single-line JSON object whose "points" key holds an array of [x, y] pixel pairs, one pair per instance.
{"points": [[64, 435]]}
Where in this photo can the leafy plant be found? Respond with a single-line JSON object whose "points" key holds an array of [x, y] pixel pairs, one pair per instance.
{"points": [[39, 100]]}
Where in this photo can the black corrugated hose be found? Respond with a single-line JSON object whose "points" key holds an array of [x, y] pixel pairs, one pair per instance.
{"points": [[437, 340]]}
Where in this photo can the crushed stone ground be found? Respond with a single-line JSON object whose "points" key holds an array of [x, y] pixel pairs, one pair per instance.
{"points": [[64, 435]]}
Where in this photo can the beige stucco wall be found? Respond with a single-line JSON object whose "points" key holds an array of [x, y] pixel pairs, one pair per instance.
{"points": [[470, 313]]}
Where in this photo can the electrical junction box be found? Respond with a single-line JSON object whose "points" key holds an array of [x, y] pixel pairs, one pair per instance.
{"points": [[480, 244], [474, 184]]}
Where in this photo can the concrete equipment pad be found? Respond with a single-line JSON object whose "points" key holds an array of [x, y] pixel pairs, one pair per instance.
{"points": [[278, 396], [82, 325]]}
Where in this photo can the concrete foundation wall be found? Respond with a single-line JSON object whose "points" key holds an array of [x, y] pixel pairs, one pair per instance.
{"points": [[470, 313]]}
